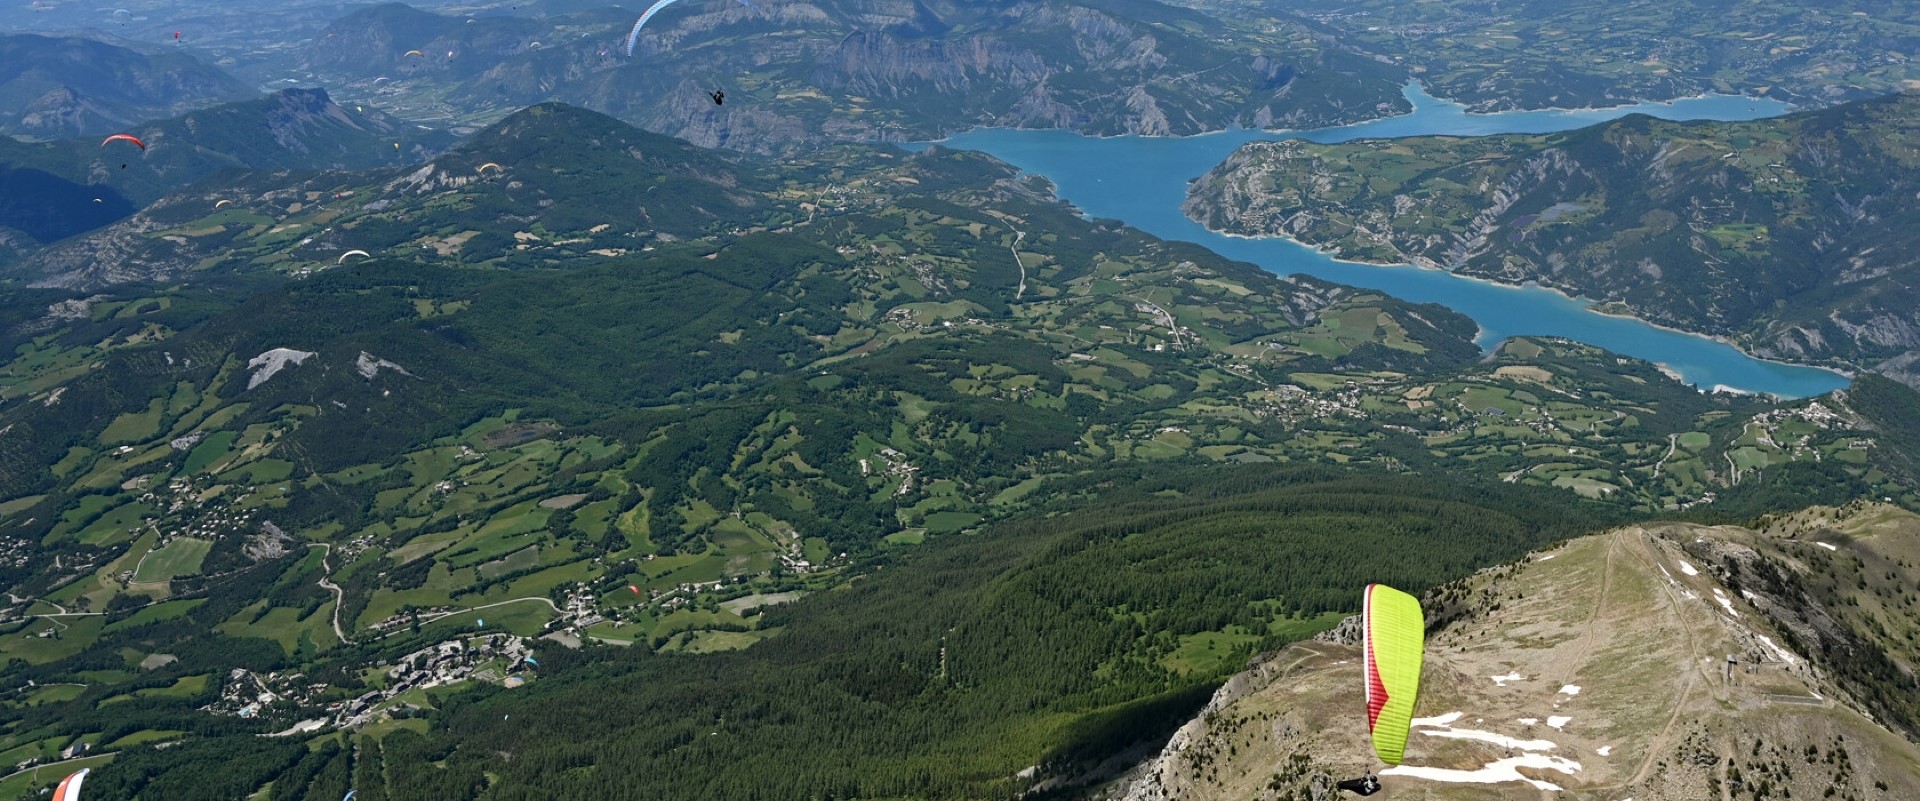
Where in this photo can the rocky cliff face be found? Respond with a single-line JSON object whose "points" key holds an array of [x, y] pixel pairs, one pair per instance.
{"points": [[1600, 667]]}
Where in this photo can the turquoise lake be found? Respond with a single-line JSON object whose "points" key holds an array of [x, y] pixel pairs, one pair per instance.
{"points": [[1142, 181]]}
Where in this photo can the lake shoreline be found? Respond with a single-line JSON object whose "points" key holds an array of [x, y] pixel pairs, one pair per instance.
{"points": [[1588, 303], [1143, 182]]}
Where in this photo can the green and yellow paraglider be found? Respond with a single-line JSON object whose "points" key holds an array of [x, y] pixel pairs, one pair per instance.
{"points": [[1393, 644]]}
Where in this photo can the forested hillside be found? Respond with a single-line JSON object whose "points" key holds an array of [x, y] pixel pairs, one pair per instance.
{"points": [[1053, 642]]}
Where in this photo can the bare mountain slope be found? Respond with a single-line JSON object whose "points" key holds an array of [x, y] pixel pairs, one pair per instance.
{"points": [[1601, 669]]}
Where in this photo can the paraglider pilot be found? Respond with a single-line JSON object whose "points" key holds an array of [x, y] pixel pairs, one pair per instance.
{"points": [[1365, 785], [719, 96]]}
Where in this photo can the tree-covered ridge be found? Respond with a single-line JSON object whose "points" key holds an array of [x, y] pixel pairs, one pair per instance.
{"points": [[1496, 56], [1792, 235]]}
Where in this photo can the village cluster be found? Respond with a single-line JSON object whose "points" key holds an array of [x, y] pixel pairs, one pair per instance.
{"points": [[493, 657]]}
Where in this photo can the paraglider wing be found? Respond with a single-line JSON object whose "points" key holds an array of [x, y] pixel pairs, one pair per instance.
{"points": [[220, 203], [1394, 641], [636, 590], [343, 256], [483, 167], [349, 795], [69, 789], [124, 138], [413, 53], [633, 36]]}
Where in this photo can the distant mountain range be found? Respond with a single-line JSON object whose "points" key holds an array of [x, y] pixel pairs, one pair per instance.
{"points": [[1498, 56], [1795, 235], [801, 73], [55, 87]]}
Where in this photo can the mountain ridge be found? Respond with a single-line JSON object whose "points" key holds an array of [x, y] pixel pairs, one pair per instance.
{"points": [[58, 87], [1636, 638], [292, 129], [810, 73]]}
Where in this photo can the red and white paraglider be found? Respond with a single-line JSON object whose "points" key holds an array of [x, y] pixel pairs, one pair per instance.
{"points": [[69, 789]]}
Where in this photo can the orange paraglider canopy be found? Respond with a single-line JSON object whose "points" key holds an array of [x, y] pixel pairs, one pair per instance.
{"points": [[124, 137]]}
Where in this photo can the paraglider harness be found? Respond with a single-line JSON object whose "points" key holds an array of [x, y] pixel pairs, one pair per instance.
{"points": [[1365, 785], [719, 96]]}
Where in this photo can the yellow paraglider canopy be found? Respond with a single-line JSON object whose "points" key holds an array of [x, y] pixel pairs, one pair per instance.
{"points": [[496, 167], [1395, 634]]}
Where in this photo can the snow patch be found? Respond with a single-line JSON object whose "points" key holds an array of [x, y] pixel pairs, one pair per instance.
{"points": [[1557, 721], [1571, 689], [1511, 676], [1779, 654], [1495, 772], [1491, 737], [1826, 546], [1687, 568], [273, 361], [1604, 750], [1528, 721], [1442, 720], [1721, 596]]}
